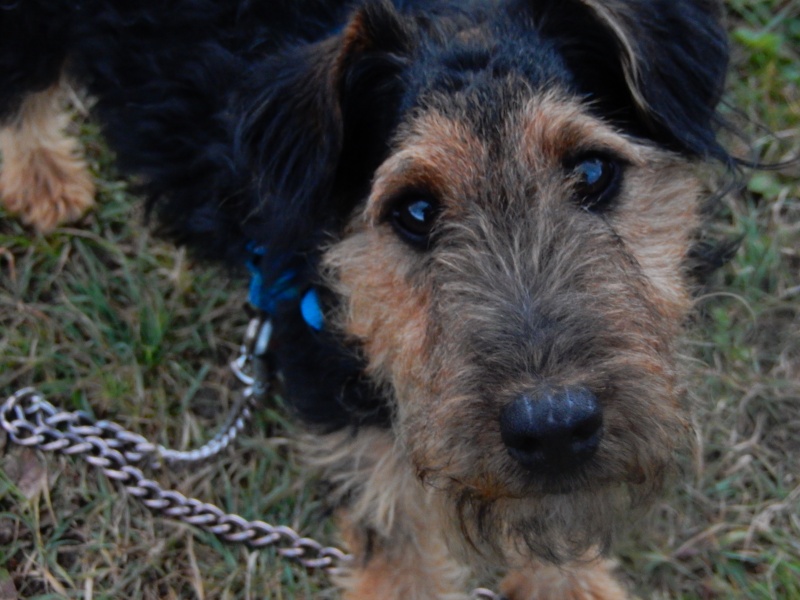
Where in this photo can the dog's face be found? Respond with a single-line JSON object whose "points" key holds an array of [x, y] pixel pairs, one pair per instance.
{"points": [[512, 267], [521, 298]]}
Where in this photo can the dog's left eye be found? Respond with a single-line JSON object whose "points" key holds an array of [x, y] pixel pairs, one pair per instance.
{"points": [[413, 218], [596, 180]]}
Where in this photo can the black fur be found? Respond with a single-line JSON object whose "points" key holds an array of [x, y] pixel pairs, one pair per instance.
{"points": [[252, 121], [683, 57], [34, 37]]}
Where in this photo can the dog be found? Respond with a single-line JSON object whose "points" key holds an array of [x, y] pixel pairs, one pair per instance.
{"points": [[496, 205]]}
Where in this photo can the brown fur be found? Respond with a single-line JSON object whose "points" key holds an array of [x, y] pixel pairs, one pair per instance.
{"points": [[582, 581], [399, 556], [44, 178], [454, 335]]}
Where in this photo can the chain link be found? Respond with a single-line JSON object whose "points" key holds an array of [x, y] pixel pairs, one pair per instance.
{"points": [[484, 594], [31, 421]]}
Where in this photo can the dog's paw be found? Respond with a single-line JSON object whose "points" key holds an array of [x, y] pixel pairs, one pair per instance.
{"points": [[47, 185], [578, 581]]}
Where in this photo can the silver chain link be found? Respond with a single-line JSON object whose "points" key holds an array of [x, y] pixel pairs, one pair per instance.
{"points": [[484, 594], [31, 421]]}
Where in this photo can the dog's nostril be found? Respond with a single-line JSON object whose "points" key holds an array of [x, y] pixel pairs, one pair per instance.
{"points": [[587, 430], [552, 431]]}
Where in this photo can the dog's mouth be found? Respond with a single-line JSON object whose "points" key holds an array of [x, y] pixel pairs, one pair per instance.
{"points": [[557, 521], [528, 486], [508, 481], [502, 476]]}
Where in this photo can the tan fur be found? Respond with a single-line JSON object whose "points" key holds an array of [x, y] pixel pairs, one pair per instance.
{"points": [[579, 581], [512, 247], [393, 528], [390, 526], [44, 179]]}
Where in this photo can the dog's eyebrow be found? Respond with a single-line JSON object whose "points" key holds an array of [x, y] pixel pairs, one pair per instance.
{"points": [[554, 128], [436, 154]]}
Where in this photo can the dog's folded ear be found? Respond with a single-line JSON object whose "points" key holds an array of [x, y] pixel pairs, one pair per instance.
{"points": [[664, 59], [315, 124], [675, 56]]}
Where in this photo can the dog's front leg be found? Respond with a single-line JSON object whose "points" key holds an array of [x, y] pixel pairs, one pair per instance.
{"points": [[585, 580], [388, 522], [411, 564]]}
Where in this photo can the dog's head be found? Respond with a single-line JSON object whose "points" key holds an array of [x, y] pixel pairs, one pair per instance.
{"points": [[497, 203]]}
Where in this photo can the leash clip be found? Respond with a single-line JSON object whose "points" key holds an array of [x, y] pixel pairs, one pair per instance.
{"points": [[253, 348]]}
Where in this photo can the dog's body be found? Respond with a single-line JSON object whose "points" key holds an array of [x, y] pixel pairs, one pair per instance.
{"points": [[496, 205]]}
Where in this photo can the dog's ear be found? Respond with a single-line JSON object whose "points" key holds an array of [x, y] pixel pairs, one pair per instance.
{"points": [[308, 109], [317, 121], [664, 59], [675, 56]]}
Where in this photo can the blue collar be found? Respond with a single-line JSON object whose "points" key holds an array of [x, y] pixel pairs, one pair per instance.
{"points": [[284, 289]]}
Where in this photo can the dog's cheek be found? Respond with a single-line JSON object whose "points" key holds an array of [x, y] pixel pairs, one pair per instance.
{"points": [[384, 305], [657, 222]]}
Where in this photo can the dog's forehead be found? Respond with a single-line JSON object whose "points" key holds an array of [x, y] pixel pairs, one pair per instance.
{"points": [[448, 154], [488, 99], [481, 71]]}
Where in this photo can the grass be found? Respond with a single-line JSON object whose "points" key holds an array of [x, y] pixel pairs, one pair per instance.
{"points": [[732, 529], [105, 318]]}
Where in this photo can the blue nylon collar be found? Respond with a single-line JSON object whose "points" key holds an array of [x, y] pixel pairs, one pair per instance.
{"points": [[284, 289]]}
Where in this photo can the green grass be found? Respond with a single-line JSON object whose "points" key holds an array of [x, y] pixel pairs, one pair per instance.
{"points": [[732, 529], [103, 317]]}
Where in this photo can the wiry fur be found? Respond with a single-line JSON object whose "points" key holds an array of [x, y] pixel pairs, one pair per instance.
{"points": [[508, 300], [301, 126]]}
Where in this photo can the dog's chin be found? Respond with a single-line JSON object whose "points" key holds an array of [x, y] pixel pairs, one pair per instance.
{"points": [[553, 519], [557, 528]]}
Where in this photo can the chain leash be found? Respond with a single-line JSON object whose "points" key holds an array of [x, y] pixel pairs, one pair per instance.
{"points": [[33, 422]]}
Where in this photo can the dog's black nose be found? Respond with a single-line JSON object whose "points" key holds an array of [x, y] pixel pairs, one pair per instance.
{"points": [[554, 431]]}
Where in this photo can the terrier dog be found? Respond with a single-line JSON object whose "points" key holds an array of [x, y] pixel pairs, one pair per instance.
{"points": [[496, 203]]}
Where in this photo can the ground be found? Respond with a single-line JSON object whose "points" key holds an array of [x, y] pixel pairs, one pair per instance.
{"points": [[102, 316]]}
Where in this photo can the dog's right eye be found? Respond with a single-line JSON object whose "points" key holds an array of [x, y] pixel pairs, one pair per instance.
{"points": [[596, 179], [413, 218]]}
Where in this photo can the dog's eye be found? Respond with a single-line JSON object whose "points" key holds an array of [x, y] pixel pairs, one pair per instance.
{"points": [[596, 180], [413, 218]]}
